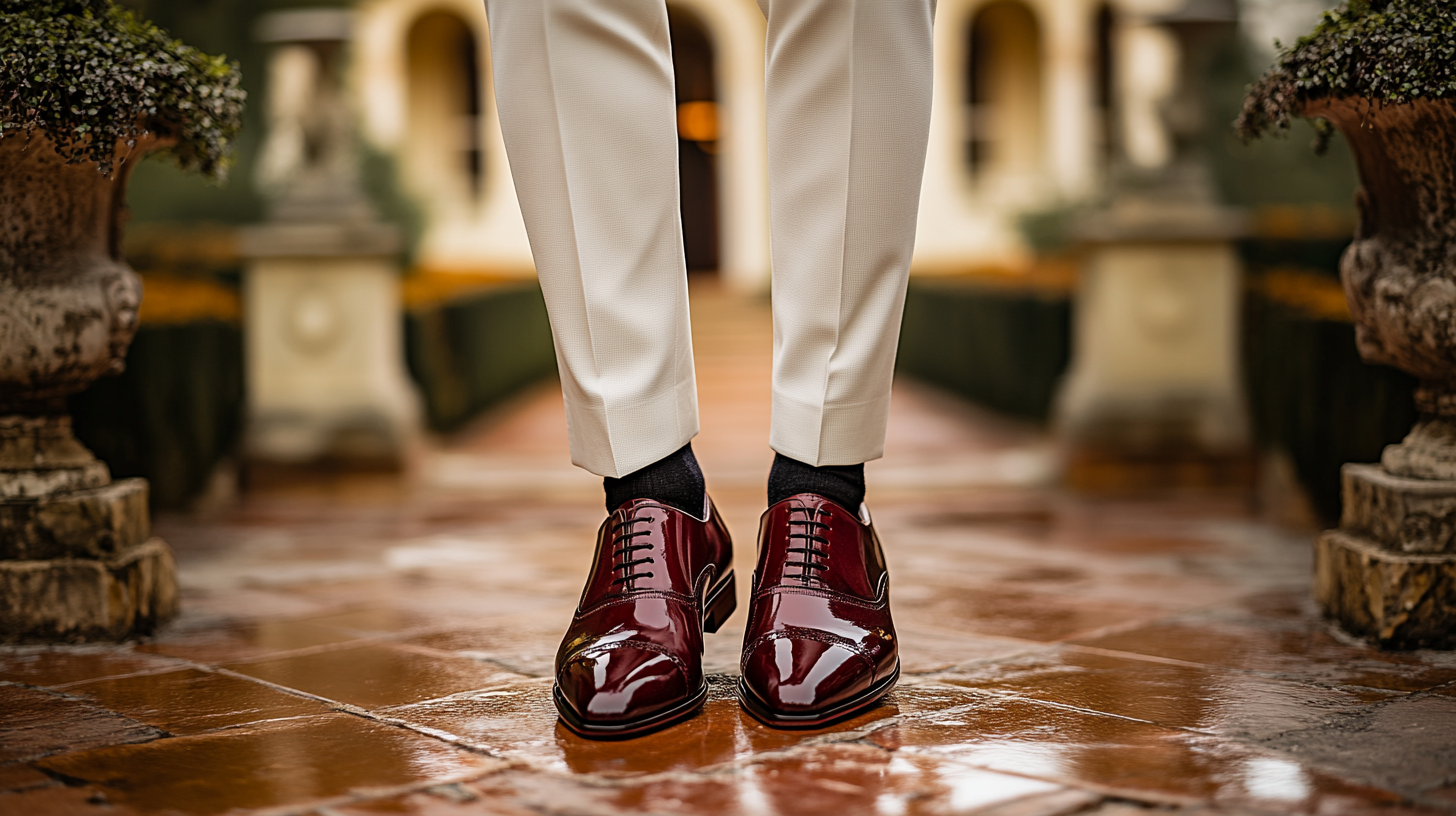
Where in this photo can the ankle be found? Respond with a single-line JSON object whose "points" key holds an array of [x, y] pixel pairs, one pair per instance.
{"points": [[842, 484], [674, 480]]}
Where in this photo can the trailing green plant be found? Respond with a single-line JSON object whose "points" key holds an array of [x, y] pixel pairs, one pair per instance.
{"points": [[93, 75], [1388, 51]]}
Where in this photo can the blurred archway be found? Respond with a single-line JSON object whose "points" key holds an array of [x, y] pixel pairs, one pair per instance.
{"points": [[1006, 142], [442, 154]]}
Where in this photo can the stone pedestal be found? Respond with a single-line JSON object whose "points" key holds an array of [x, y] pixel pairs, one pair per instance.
{"points": [[77, 560], [326, 382], [1154, 396], [325, 352], [1389, 573]]}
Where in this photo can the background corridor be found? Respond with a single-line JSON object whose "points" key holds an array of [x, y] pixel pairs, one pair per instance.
{"points": [[365, 644]]}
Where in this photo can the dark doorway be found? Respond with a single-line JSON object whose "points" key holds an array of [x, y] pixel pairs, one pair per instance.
{"points": [[1105, 55], [1004, 92], [444, 105], [697, 129]]}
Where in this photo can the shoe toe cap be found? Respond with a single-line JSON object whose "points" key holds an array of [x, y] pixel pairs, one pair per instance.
{"points": [[622, 684], [804, 676]]}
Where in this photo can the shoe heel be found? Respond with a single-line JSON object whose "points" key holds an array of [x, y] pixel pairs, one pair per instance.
{"points": [[722, 600]]}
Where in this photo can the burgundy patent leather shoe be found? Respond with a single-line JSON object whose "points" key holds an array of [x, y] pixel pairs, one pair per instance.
{"points": [[632, 661], [820, 644]]}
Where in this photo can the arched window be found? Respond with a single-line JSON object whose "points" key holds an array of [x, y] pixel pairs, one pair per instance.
{"points": [[443, 151], [1005, 138]]}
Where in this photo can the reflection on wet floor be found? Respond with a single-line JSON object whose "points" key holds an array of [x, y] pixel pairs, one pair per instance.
{"points": [[385, 647]]}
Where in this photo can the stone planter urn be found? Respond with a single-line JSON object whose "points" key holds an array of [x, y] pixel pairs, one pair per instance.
{"points": [[1389, 572], [76, 558], [86, 90], [1378, 71]]}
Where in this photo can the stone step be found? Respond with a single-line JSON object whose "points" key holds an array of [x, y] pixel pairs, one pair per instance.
{"points": [[85, 599], [1399, 514], [1400, 601], [102, 523]]}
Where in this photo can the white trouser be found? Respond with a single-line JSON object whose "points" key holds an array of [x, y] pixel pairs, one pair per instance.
{"points": [[587, 107]]}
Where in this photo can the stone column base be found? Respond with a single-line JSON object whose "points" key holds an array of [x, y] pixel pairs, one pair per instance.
{"points": [[1389, 573], [326, 375], [83, 566], [1154, 398]]}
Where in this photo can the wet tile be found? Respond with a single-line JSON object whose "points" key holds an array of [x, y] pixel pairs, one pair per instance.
{"points": [[61, 801], [723, 650], [520, 722], [375, 676], [1272, 780], [242, 603], [58, 665], [283, 763], [1050, 742], [1293, 605], [36, 723], [1407, 745], [981, 563], [222, 644], [1305, 652], [1044, 617], [442, 800], [15, 776], [425, 602], [1020, 512], [835, 778], [526, 792], [390, 593], [1127, 757], [924, 649], [525, 644], [1147, 545], [847, 778], [1445, 796], [1180, 696], [377, 620], [193, 701], [1448, 690], [1061, 802]]}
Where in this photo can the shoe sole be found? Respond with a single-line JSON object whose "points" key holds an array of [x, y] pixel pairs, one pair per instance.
{"points": [[818, 719], [720, 605]]}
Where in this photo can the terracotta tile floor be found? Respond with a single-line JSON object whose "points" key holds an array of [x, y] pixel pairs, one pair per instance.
{"points": [[373, 646]]}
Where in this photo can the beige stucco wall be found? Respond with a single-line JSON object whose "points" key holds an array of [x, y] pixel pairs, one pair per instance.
{"points": [[486, 234], [963, 223]]}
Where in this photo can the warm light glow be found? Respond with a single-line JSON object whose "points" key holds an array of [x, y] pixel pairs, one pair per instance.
{"points": [[698, 121]]}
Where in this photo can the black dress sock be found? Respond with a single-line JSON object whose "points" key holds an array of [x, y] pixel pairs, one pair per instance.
{"points": [[675, 480], [842, 484]]}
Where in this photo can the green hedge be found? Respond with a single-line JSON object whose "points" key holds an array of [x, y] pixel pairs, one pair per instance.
{"points": [[472, 351], [178, 409], [174, 413], [1312, 254], [1312, 396], [1005, 348]]}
